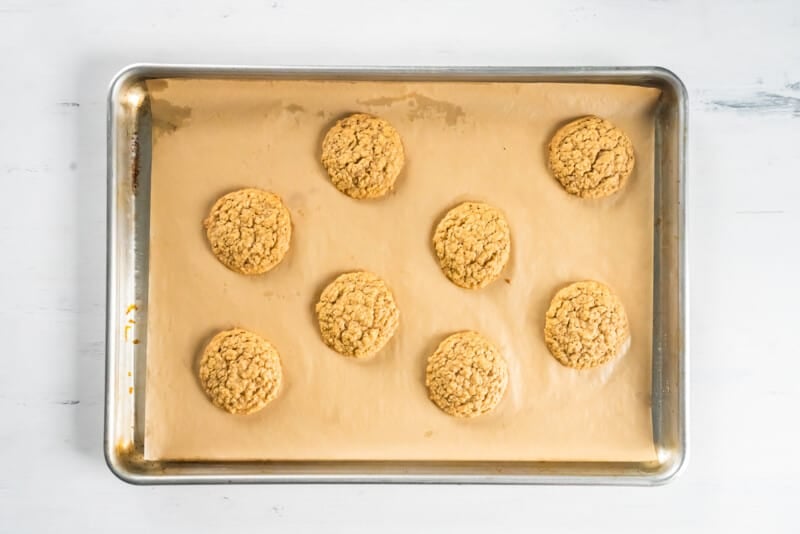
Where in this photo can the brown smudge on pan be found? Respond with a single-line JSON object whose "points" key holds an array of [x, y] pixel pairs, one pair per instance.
{"points": [[167, 117], [277, 107], [134, 152], [422, 107], [157, 85], [425, 107], [384, 100]]}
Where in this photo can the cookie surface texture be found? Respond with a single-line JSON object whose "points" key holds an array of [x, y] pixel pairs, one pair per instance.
{"points": [[357, 314], [591, 157], [240, 371], [473, 244], [466, 376], [249, 230], [363, 155], [586, 325]]}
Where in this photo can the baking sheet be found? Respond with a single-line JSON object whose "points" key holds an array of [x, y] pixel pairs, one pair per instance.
{"points": [[464, 141]]}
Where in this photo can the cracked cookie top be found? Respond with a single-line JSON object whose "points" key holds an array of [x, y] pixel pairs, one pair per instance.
{"points": [[472, 243], [357, 314], [249, 230], [240, 371], [591, 157], [363, 156], [466, 376], [586, 325]]}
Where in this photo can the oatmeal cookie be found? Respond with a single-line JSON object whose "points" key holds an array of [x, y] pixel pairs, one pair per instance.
{"points": [[586, 325], [249, 230], [363, 156], [240, 371], [466, 375], [472, 243], [357, 314], [591, 157]]}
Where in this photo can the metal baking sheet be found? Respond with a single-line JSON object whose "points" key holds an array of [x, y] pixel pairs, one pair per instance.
{"points": [[129, 162]]}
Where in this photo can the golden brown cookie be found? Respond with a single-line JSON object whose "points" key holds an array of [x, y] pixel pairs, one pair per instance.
{"points": [[249, 230], [240, 371], [466, 375], [591, 157], [472, 242], [357, 314], [586, 325], [363, 155]]}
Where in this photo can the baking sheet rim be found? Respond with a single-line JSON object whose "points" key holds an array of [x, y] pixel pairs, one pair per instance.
{"points": [[121, 456]]}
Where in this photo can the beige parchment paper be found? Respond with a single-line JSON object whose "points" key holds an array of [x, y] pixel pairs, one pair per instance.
{"points": [[463, 141]]}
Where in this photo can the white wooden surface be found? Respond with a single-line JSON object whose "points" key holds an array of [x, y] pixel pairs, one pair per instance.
{"points": [[741, 63]]}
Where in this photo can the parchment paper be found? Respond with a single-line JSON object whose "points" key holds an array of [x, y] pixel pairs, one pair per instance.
{"points": [[463, 141]]}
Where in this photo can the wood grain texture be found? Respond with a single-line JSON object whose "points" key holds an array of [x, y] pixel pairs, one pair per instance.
{"points": [[741, 63]]}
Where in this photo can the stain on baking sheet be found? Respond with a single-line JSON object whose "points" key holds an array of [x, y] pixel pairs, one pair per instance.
{"points": [[422, 107], [278, 107], [167, 117], [157, 85], [134, 154]]}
